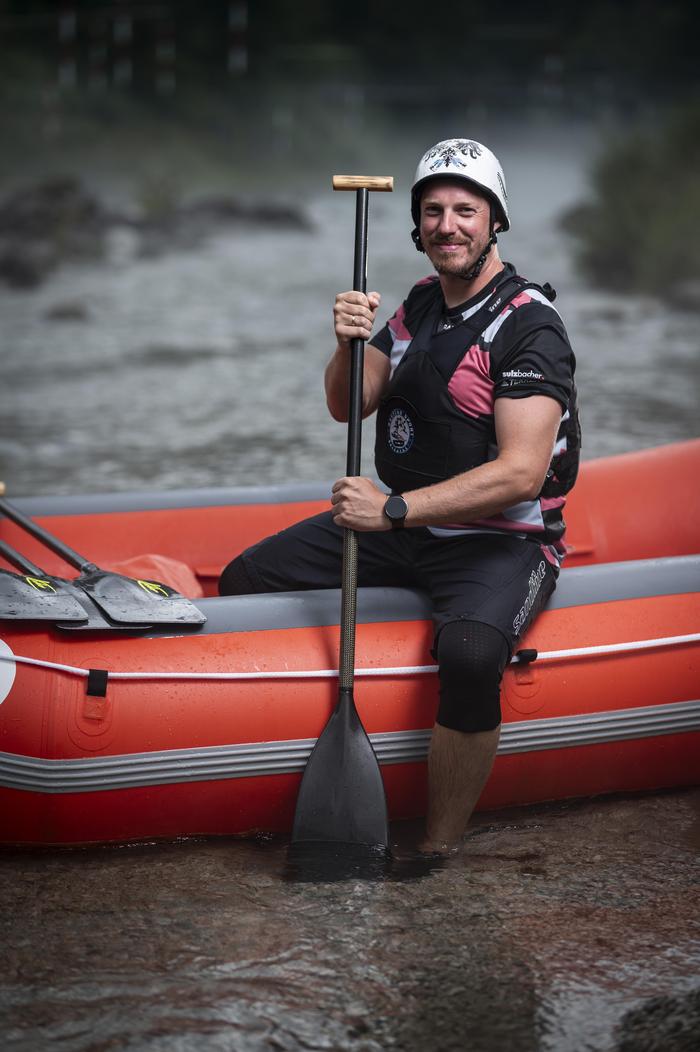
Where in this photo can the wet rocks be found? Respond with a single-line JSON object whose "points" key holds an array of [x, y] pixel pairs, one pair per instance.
{"points": [[686, 295], [60, 220], [68, 311], [187, 226], [45, 224], [662, 1024], [24, 265]]}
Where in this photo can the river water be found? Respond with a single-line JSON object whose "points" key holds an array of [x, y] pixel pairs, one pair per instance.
{"points": [[204, 368], [565, 927]]}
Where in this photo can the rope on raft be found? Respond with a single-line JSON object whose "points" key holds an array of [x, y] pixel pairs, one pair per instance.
{"points": [[405, 670]]}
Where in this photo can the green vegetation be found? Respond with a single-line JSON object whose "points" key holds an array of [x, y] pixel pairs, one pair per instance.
{"points": [[640, 232]]}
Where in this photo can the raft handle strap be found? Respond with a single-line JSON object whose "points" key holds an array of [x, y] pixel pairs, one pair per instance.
{"points": [[97, 682]]}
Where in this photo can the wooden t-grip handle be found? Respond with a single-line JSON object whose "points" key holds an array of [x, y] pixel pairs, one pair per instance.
{"points": [[363, 182], [2, 488]]}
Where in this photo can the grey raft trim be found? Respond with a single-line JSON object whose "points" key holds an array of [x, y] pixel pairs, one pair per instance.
{"points": [[261, 759]]}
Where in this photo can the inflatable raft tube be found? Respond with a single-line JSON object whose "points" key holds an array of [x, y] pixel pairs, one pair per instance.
{"points": [[206, 731], [176, 732]]}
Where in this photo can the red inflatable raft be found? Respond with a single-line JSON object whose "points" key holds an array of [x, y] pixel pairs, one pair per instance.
{"points": [[206, 730]]}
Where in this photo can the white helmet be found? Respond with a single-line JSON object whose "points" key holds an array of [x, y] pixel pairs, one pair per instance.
{"points": [[462, 159]]}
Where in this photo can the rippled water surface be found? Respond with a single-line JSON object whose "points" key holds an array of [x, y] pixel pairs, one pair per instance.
{"points": [[205, 368], [566, 928]]}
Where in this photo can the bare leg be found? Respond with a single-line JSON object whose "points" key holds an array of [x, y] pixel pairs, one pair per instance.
{"points": [[458, 766]]}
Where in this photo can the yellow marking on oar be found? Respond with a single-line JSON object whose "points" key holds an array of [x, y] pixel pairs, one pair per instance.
{"points": [[154, 587], [40, 584]]}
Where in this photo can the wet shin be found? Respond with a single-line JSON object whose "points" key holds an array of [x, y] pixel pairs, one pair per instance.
{"points": [[472, 657]]}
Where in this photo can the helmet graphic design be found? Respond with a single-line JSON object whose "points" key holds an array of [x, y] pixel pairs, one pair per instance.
{"points": [[463, 159], [448, 152]]}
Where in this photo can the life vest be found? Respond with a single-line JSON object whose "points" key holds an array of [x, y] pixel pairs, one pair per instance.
{"points": [[422, 436]]}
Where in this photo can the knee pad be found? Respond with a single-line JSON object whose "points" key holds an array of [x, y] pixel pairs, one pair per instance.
{"points": [[472, 657], [237, 580]]}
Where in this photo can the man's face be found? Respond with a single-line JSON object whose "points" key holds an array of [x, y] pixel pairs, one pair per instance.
{"points": [[454, 225]]}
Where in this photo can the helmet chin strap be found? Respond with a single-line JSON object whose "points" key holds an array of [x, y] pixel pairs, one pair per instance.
{"points": [[474, 271]]}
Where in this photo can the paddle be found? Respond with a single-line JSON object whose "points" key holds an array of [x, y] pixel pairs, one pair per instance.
{"points": [[123, 599], [87, 615], [342, 797], [34, 597]]}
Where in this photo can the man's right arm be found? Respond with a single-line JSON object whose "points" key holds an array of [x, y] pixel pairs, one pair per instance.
{"points": [[353, 316]]}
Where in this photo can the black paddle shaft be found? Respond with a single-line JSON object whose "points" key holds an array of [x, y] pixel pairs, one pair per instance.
{"points": [[37, 531], [348, 602], [341, 798]]}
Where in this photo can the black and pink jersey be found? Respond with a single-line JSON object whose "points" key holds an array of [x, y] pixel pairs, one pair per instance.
{"points": [[436, 418]]}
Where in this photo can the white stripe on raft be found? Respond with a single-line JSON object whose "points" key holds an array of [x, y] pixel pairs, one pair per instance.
{"points": [[260, 759], [400, 670]]}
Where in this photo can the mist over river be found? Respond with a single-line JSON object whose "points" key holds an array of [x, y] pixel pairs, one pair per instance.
{"points": [[562, 928], [205, 368]]}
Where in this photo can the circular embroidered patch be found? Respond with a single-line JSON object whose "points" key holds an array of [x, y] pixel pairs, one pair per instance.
{"points": [[400, 431]]}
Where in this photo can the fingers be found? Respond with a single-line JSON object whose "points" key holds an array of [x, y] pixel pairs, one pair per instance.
{"points": [[358, 504], [338, 490], [353, 315]]}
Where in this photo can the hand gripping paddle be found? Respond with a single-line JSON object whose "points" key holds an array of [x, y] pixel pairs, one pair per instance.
{"points": [[341, 798]]}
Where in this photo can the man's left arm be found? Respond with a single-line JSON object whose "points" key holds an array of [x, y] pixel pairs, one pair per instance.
{"points": [[526, 430]]}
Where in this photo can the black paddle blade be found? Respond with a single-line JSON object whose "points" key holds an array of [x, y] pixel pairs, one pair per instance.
{"points": [[95, 621], [135, 602], [123, 599], [91, 617], [36, 598], [342, 794]]}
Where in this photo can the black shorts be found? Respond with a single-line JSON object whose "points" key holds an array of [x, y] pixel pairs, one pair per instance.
{"points": [[498, 580]]}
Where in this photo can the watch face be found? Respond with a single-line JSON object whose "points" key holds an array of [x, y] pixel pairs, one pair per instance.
{"points": [[396, 507]]}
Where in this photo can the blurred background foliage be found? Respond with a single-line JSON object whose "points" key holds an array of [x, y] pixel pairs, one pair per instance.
{"points": [[641, 226], [157, 100]]}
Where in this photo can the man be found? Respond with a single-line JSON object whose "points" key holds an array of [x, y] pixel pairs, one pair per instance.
{"points": [[478, 441]]}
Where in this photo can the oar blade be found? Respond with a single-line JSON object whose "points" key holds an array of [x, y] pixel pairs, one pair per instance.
{"points": [[342, 798], [36, 598], [124, 600], [137, 602], [95, 619]]}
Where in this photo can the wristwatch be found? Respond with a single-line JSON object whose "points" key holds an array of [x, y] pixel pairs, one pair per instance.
{"points": [[396, 510]]}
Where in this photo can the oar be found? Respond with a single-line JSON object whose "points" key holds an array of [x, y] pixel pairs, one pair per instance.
{"points": [[123, 599], [35, 597], [88, 616], [342, 798]]}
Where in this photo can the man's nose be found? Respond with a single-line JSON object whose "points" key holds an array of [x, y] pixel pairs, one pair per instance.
{"points": [[447, 222]]}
